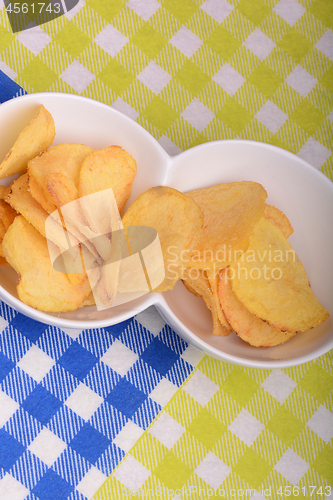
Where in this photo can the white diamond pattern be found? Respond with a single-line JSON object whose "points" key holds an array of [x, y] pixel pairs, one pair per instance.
{"points": [[301, 81], [144, 8], [217, 9], [314, 153], [271, 116], [77, 76], [325, 44], [289, 10], [198, 115], [292, 466], [229, 79], [34, 39], [154, 77], [111, 40], [260, 44], [186, 41]]}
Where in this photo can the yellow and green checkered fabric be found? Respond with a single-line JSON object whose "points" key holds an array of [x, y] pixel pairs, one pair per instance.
{"points": [[192, 71], [233, 432]]}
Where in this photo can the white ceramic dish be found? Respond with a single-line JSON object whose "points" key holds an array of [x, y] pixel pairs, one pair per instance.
{"points": [[294, 186]]}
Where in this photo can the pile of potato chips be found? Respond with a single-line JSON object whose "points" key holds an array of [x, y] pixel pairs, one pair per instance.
{"points": [[226, 244], [245, 269]]}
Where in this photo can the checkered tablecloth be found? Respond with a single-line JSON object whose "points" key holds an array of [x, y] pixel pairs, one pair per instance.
{"points": [[131, 410]]}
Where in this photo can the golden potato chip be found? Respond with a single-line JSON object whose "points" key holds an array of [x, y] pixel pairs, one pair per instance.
{"points": [[57, 171], [7, 214], [2, 230], [248, 327], [178, 221], [111, 167], [2, 234], [231, 211], [40, 286], [279, 219], [89, 301], [197, 283], [190, 288], [106, 288], [3, 189], [73, 220], [36, 209], [38, 194], [271, 283], [33, 140], [213, 280], [19, 198]]}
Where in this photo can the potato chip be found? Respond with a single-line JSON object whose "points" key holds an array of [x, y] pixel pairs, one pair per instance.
{"points": [[271, 283], [40, 286], [197, 283], [33, 140], [190, 288], [89, 301], [178, 221], [231, 211], [279, 219], [7, 214], [107, 287], [2, 234], [248, 327], [2, 230], [213, 280], [18, 197], [111, 167], [57, 172], [38, 194], [73, 220], [21, 200], [3, 189]]}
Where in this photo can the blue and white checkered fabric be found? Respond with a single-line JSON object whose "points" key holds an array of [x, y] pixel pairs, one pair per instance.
{"points": [[73, 402], [8, 88]]}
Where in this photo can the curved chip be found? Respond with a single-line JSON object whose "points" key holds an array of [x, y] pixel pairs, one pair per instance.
{"points": [[7, 214], [3, 190], [18, 197], [271, 283], [38, 194], [231, 211], [279, 219], [213, 279], [33, 140], [178, 221], [57, 172], [111, 167], [40, 286], [196, 281], [2, 234], [248, 327]]}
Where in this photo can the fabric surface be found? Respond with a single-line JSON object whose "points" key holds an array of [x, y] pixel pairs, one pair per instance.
{"points": [[131, 410], [192, 71]]}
